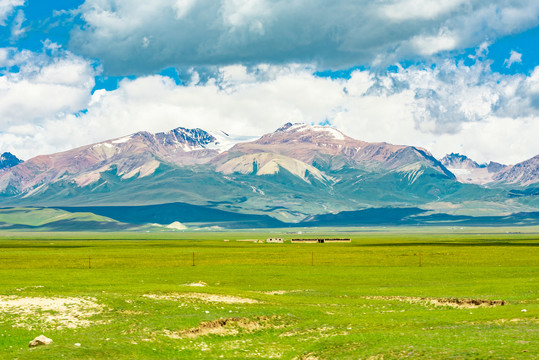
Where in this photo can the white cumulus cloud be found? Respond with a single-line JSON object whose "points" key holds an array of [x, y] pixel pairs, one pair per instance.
{"points": [[329, 34], [42, 88], [7, 7], [514, 57], [451, 107]]}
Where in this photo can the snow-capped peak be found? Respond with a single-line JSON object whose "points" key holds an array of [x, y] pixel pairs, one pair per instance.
{"points": [[198, 139], [302, 127], [186, 139], [224, 141]]}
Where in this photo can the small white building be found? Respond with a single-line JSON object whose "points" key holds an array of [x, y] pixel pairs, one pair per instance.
{"points": [[274, 240]]}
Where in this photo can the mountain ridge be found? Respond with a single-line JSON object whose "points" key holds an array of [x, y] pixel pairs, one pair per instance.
{"points": [[468, 171], [291, 174]]}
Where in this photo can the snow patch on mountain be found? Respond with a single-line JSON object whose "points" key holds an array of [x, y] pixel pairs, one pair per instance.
{"points": [[121, 140], [225, 142], [323, 130], [468, 171], [107, 145], [328, 130]]}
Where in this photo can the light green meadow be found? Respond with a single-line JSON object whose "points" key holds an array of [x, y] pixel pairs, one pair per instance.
{"points": [[383, 296]]}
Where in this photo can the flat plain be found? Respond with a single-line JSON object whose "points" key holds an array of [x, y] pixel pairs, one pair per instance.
{"points": [[457, 293]]}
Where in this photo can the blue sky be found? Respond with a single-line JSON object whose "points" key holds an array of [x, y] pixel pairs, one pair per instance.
{"points": [[451, 76]]}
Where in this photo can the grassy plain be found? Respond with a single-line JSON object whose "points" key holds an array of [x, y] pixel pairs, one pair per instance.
{"points": [[367, 299]]}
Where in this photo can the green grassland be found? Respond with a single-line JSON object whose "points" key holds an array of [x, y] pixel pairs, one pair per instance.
{"points": [[369, 299]]}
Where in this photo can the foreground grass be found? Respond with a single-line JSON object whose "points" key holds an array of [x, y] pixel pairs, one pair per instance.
{"points": [[329, 301]]}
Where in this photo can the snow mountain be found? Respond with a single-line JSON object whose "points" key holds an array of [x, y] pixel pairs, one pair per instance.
{"points": [[468, 171], [134, 156], [292, 174]]}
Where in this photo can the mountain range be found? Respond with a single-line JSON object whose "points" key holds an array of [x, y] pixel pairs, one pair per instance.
{"points": [[468, 171], [299, 174]]}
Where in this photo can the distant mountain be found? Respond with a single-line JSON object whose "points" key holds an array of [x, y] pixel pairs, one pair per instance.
{"points": [[134, 156], [8, 160], [328, 149], [458, 161], [468, 171], [524, 173], [290, 175]]}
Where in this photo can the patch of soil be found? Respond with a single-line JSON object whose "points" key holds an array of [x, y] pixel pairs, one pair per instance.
{"points": [[465, 303], [280, 292], [223, 327], [503, 321], [461, 303], [55, 312], [209, 298], [314, 334], [130, 312], [197, 284], [306, 357]]}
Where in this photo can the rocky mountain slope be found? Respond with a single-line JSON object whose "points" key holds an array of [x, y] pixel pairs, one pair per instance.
{"points": [[328, 150], [468, 171], [524, 173], [134, 156], [458, 161], [307, 152], [8, 160]]}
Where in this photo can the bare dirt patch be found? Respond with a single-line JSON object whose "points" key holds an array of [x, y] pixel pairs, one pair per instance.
{"points": [[504, 321], [314, 334], [130, 312], [461, 303], [466, 303], [69, 312], [208, 298], [280, 292], [196, 284], [307, 357], [223, 327], [30, 287]]}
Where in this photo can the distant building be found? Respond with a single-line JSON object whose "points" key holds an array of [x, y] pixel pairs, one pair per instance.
{"points": [[304, 241], [320, 241], [274, 240]]}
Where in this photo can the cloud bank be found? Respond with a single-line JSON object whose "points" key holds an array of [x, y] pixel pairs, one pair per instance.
{"points": [[48, 105], [141, 37], [35, 89]]}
